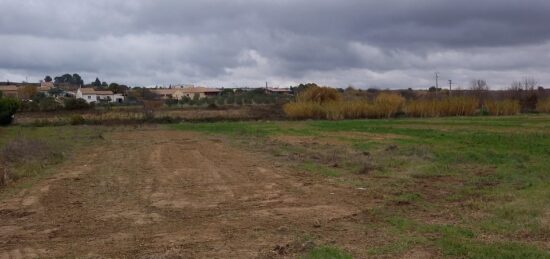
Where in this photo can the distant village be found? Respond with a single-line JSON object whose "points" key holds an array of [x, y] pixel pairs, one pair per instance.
{"points": [[100, 92], [69, 92]]}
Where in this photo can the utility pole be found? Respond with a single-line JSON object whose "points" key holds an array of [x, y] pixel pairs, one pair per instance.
{"points": [[450, 87], [436, 83]]}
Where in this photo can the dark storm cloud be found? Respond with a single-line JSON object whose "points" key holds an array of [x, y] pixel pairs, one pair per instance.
{"points": [[397, 43]]}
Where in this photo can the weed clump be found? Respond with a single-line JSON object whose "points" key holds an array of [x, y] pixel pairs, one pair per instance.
{"points": [[23, 151]]}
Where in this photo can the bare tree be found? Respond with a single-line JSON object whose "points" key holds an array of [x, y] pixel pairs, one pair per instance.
{"points": [[480, 89], [529, 84], [515, 90], [479, 85], [525, 92], [516, 86]]}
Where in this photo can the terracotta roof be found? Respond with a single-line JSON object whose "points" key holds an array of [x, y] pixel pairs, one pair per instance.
{"points": [[199, 90], [47, 85], [166, 91], [93, 91], [8, 88], [279, 89]]}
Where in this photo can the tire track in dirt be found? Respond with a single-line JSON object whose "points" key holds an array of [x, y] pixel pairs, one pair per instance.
{"points": [[166, 193]]}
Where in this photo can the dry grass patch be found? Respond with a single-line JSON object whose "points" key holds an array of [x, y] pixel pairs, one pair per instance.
{"points": [[503, 108], [386, 105], [544, 105], [451, 106]]}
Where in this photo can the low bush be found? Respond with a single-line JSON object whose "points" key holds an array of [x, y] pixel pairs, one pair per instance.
{"points": [[239, 100], [544, 105], [386, 105], [8, 107], [502, 108], [49, 104], [319, 95], [29, 106], [77, 120], [76, 104]]}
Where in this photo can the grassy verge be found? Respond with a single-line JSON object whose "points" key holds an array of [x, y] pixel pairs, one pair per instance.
{"points": [[471, 187]]}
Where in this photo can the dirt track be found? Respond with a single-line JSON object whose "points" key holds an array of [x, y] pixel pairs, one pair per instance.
{"points": [[154, 193]]}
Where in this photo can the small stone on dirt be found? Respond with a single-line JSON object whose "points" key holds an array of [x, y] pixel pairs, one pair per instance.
{"points": [[282, 229], [317, 223], [308, 245]]}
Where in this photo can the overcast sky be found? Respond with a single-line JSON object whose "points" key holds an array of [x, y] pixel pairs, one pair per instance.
{"points": [[364, 43]]}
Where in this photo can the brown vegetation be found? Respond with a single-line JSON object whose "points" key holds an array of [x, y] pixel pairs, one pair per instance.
{"points": [[504, 107], [544, 105], [319, 95], [326, 103], [450, 106]]}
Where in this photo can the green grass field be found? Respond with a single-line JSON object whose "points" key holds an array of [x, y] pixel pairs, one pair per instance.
{"points": [[476, 187]]}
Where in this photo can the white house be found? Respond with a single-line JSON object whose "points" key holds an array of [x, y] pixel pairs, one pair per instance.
{"points": [[91, 95]]}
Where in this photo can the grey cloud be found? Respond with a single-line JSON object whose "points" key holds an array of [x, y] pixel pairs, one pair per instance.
{"points": [[396, 43]]}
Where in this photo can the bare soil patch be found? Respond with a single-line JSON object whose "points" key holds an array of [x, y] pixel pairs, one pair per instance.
{"points": [[155, 193]]}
